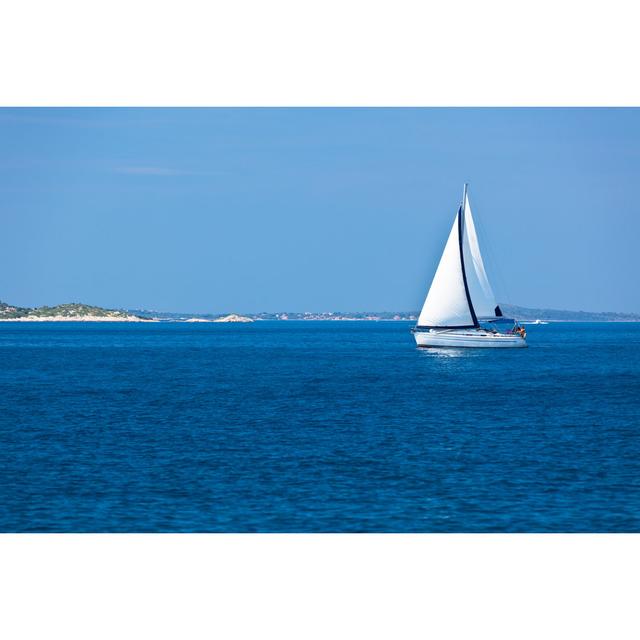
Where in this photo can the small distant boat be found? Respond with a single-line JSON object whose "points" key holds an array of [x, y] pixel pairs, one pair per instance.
{"points": [[460, 309], [538, 321]]}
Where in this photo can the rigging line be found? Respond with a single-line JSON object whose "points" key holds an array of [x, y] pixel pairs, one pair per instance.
{"points": [[464, 273]]}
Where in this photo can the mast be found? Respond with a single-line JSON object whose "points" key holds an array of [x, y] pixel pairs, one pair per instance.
{"points": [[461, 221]]}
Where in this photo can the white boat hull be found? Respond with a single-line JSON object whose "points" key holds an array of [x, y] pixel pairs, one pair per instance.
{"points": [[468, 338]]}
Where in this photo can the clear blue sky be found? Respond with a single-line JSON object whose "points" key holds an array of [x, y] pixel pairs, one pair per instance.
{"points": [[246, 210]]}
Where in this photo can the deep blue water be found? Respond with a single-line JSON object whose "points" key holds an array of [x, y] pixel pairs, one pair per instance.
{"points": [[316, 426]]}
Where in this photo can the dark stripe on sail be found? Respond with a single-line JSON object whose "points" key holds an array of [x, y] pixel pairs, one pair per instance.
{"points": [[464, 273]]}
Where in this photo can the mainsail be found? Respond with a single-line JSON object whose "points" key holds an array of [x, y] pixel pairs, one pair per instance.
{"points": [[460, 291]]}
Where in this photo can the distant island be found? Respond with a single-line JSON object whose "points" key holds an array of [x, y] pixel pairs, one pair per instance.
{"points": [[78, 312], [87, 313], [66, 312], [232, 317]]}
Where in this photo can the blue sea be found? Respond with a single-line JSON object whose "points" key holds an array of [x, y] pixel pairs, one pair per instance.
{"points": [[316, 427]]}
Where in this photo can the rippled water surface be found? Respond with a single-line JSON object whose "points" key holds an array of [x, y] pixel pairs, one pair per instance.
{"points": [[316, 426]]}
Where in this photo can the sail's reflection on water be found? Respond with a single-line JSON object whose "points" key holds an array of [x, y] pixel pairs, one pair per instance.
{"points": [[448, 352]]}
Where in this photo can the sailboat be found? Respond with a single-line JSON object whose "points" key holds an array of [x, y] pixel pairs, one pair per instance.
{"points": [[460, 309]]}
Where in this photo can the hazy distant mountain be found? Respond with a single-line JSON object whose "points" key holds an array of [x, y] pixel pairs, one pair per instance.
{"points": [[525, 313]]}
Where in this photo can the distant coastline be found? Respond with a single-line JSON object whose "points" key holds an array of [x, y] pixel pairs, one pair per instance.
{"points": [[524, 314], [77, 312]]}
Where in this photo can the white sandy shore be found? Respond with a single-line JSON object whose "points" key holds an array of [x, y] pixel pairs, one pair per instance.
{"points": [[229, 318], [77, 319]]}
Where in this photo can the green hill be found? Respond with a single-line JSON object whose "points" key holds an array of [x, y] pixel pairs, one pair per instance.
{"points": [[8, 311], [70, 310]]}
